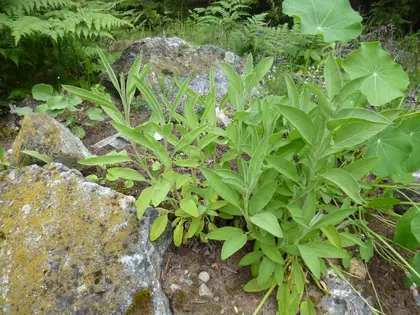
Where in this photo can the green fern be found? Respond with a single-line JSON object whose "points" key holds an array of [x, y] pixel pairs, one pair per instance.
{"points": [[17, 7]]}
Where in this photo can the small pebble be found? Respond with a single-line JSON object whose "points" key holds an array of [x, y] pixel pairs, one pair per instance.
{"points": [[185, 272], [187, 281], [216, 299], [175, 287], [204, 276], [204, 291]]}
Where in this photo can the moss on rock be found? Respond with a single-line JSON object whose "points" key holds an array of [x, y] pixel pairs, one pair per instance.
{"points": [[66, 244], [42, 133], [142, 304]]}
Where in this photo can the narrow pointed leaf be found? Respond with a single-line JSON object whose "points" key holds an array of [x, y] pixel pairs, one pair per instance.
{"points": [[346, 182]]}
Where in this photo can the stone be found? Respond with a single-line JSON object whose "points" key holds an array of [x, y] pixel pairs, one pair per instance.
{"points": [[357, 268], [204, 276], [69, 245], [204, 291], [43, 134], [116, 141], [343, 300], [175, 58]]}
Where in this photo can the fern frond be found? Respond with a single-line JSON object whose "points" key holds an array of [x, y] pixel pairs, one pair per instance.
{"points": [[16, 7], [29, 25]]}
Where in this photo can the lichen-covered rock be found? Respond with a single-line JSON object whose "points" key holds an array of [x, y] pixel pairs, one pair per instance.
{"points": [[174, 57], [42, 133], [69, 246], [343, 299]]}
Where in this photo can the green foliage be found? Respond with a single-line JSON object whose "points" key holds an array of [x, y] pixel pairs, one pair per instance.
{"points": [[63, 32], [60, 104], [335, 21]]}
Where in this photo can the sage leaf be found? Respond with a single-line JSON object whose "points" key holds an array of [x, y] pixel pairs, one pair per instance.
{"points": [[267, 222], [160, 191], [232, 244], [158, 227], [346, 182]]}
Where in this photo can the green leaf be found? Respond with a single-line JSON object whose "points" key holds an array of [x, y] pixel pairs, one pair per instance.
{"points": [[126, 173], [332, 234], [106, 159], [333, 218], [150, 98], [292, 91], [307, 308], [392, 147], [189, 207], [346, 182], [79, 132], [253, 286], [354, 115], [354, 134], [366, 252], [336, 21], [42, 92], [411, 127], [109, 70], [299, 120], [267, 222], [260, 70], [387, 80], [105, 104], [95, 114], [251, 258], [144, 201], [325, 249], [256, 162], [222, 189], [233, 243], [361, 167], [415, 227], [403, 230], [179, 233], [160, 191], [233, 76], [380, 203], [265, 271], [272, 252], [311, 259], [190, 137], [158, 227], [222, 234], [322, 98], [194, 226], [262, 197], [283, 166], [333, 78], [39, 156]]}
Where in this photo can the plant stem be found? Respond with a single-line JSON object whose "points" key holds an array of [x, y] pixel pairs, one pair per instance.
{"points": [[379, 237], [266, 296]]}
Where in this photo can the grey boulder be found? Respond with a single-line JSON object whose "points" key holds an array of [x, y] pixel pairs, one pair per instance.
{"points": [[45, 135]]}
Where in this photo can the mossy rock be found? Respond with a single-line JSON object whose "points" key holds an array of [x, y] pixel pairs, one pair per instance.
{"points": [[45, 135], [69, 246]]}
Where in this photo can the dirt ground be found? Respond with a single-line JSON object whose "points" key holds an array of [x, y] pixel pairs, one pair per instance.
{"points": [[181, 266]]}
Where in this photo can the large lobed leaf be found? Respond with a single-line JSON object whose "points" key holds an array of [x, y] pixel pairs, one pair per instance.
{"points": [[334, 19], [385, 79]]}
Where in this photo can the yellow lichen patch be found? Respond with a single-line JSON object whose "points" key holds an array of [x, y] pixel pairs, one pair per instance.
{"points": [[62, 242], [38, 132]]}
